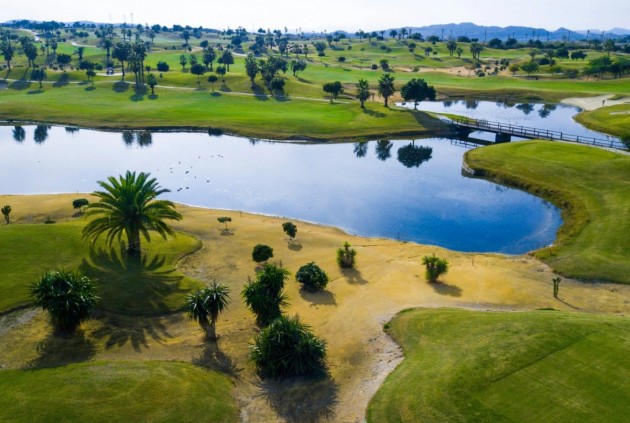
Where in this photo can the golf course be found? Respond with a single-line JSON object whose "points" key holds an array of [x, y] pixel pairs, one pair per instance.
{"points": [[370, 334]]}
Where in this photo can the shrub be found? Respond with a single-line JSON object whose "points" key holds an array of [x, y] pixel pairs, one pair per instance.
{"points": [[79, 203], [435, 267], [341, 59], [264, 296], [6, 212], [288, 347], [67, 296], [346, 256], [374, 66], [163, 67], [625, 139], [262, 253], [312, 277]]}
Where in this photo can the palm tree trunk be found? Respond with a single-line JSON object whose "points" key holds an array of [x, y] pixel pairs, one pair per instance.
{"points": [[211, 331], [133, 243]]}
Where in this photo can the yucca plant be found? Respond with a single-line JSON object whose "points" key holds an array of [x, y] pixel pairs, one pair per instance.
{"points": [[264, 296], [435, 267], [346, 256], [67, 297], [288, 347], [205, 305]]}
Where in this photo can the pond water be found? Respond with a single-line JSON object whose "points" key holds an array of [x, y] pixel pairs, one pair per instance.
{"points": [[556, 117], [407, 190]]}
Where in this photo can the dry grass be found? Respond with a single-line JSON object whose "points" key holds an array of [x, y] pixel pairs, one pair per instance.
{"points": [[349, 315]]}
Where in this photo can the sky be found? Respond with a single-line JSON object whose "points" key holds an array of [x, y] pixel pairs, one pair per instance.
{"points": [[318, 15]]}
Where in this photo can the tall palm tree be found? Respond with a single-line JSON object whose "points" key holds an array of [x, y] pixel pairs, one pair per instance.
{"points": [[386, 86], [205, 305], [129, 206]]}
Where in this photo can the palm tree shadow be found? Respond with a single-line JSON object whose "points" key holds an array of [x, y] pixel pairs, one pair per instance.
{"points": [[302, 400], [120, 330], [136, 286], [353, 276], [212, 358], [446, 289], [55, 351]]}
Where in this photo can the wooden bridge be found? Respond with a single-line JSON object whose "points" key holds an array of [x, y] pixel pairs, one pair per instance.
{"points": [[505, 131]]}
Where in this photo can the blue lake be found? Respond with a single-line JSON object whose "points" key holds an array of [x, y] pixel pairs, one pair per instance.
{"points": [[385, 189]]}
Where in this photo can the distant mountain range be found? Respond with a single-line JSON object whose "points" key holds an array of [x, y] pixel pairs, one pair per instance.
{"points": [[521, 33]]}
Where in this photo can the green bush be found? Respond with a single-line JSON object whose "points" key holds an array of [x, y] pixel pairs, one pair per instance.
{"points": [[67, 296], [262, 253], [264, 296], [435, 267], [312, 277], [625, 139], [287, 347]]}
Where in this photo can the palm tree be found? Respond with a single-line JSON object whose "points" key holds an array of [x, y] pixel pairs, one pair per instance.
{"points": [[204, 306], [129, 206], [386, 86], [363, 91], [67, 296], [434, 267]]}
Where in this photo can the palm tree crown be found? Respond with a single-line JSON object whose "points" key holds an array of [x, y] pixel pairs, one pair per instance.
{"points": [[204, 306], [128, 205]]}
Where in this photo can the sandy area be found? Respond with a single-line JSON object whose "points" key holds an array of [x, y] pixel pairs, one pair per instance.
{"points": [[592, 103], [349, 315]]}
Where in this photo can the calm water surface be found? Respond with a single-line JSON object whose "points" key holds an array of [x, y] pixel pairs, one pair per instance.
{"points": [[385, 189]]}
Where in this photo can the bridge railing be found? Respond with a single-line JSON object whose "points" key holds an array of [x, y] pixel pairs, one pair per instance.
{"points": [[528, 132]]}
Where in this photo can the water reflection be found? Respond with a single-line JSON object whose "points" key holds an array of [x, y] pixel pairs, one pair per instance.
{"points": [[41, 133], [378, 197], [383, 150], [526, 108], [360, 149], [413, 156], [546, 110], [19, 134]]}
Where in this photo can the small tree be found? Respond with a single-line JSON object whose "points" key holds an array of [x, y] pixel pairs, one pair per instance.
{"points": [[205, 305], [290, 229], [63, 59], [288, 347], [198, 69], [386, 87], [312, 277], [6, 212], [224, 220], [333, 88], [417, 90], [67, 296], [183, 60], [346, 256], [212, 79], [38, 74], [221, 71], [262, 253], [152, 82], [435, 267], [79, 203]]}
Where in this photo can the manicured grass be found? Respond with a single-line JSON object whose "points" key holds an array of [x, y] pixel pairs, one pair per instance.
{"points": [[117, 392], [152, 286], [465, 366], [613, 119], [119, 107], [591, 187]]}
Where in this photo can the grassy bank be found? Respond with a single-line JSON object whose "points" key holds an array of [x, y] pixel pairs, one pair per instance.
{"points": [[152, 286], [590, 186], [116, 391], [465, 366], [119, 107], [612, 120]]}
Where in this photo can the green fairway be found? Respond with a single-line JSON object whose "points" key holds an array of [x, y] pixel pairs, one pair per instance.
{"points": [[591, 187], [116, 392], [612, 120], [152, 286], [465, 366]]}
